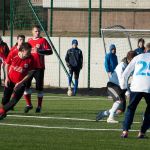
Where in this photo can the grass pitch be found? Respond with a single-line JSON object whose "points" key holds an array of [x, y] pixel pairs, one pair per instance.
{"points": [[68, 123]]}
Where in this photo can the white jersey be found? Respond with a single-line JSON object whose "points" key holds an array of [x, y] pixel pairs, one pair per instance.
{"points": [[117, 74], [140, 67]]}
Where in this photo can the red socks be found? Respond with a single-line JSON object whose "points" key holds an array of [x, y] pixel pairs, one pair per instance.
{"points": [[27, 97]]}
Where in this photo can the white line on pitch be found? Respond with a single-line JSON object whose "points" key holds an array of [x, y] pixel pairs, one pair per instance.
{"points": [[63, 128], [59, 118]]}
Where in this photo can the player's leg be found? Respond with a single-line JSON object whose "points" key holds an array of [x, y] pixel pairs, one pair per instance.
{"points": [[39, 78], [116, 93], [118, 97], [27, 96], [135, 98], [146, 122], [70, 78], [16, 96], [76, 79], [7, 93]]}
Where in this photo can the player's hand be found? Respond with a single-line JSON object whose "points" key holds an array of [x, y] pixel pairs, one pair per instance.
{"points": [[17, 86], [7, 81]]}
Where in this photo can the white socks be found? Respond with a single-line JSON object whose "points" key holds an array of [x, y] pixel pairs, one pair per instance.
{"points": [[114, 109]]}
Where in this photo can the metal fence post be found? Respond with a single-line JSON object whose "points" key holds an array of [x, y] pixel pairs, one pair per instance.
{"points": [[89, 43], [3, 17], [11, 23], [51, 19], [100, 17]]}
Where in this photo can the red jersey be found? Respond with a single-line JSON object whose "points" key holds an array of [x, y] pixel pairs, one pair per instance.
{"points": [[13, 52], [43, 45], [19, 68], [4, 50]]}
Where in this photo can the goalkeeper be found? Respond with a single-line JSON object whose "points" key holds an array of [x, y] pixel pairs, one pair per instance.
{"points": [[74, 61]]}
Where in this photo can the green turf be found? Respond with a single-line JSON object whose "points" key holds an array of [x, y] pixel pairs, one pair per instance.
{"points": [[83, 107]]}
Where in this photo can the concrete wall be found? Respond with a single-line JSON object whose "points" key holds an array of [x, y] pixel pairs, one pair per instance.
{"points": [[121, 4], [55, 75]]}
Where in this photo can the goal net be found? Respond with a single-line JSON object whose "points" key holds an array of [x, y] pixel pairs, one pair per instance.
{"points": [[124, 39]]}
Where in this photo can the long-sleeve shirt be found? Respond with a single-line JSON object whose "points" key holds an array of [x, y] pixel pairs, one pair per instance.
{"points": [[140, 67]]}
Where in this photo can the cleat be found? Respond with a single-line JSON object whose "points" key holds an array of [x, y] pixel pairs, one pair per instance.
{"points": [[141, 136], [27, 108], [124, 134], [2, 114], [112, 120], [38, 110], [101, 115]]}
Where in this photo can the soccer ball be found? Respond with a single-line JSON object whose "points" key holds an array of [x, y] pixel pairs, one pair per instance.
{"points": [[69, 92]]}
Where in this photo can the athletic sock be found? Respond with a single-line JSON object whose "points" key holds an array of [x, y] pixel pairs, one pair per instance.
{"points": [[114, 109], [27, 97], [75, 87]]}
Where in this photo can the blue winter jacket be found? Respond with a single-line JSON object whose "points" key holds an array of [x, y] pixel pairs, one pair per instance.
{"points": [[111, 60], [139, 50]]}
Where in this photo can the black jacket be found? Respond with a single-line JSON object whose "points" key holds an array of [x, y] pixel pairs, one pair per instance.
{"points": [[74, 58]]}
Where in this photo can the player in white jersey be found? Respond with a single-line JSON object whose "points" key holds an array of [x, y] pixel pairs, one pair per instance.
{"points": [[114, 90], [140, 87]]}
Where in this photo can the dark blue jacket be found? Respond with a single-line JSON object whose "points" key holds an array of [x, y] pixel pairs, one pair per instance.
{"points": [[111, 60], [139, 50], [74, 58]]}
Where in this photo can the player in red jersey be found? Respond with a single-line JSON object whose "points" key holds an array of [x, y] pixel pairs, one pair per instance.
{"points": [[4, 51], [40, 48], [19, 69], [14, 50]]}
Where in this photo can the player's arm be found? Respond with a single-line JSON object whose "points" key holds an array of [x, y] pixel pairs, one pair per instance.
{"points": [[67, 59], [46, 49], [7, 80], [26, 78], [127, 73]]}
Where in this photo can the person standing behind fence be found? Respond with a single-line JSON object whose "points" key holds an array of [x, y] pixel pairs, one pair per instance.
{"points": [[111, 60], [74, 61], [141, 47], [40, 48], [4, 51]]}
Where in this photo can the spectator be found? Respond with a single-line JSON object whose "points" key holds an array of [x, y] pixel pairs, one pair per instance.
{"points": [[111, 60], [74, 61], [141, 47]]}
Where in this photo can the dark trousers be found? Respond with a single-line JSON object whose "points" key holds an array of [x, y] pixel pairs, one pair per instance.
{"points": [[39, 78], [135, 98], [11, 97]]}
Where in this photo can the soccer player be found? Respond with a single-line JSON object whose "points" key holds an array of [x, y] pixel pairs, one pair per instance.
{"points": [[111, 60], [19, 69], [140, 87], [114, 90], [74, 61], [141, 47], [13, 52], [20, 40], [4, 51], [40, 48]]}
